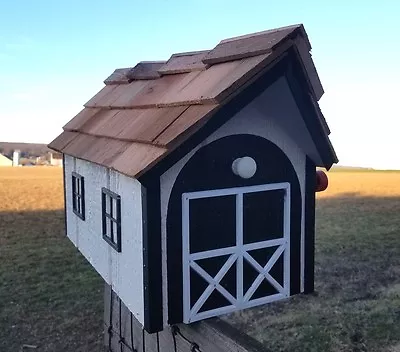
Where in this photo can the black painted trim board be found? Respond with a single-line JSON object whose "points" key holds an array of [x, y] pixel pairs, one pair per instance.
{"points": [[309, 226], [297, 82], [152, 267]]}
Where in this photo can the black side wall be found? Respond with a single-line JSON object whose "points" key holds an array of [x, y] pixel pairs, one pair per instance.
{"points": [[152, 273], [309, 249]]}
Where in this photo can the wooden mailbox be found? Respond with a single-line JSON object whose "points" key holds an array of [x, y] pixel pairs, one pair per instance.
{"points": [[190, 183]]}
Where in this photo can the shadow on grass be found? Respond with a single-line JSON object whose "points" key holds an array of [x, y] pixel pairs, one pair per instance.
{"points": [[356, 306], [50, 296]]}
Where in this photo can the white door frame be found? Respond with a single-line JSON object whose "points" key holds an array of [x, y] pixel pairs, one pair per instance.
{"points": [[238, 253]]}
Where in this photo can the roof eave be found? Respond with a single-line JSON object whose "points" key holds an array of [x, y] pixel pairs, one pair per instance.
{"points": [[279, 67], [299, 85]]}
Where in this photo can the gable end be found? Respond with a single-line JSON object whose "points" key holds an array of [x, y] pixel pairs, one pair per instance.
{"points": [[286, 66]]}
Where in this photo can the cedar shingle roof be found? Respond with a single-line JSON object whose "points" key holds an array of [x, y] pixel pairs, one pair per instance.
{"points": [[144, 112]]}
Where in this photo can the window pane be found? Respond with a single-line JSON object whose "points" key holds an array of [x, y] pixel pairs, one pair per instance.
{"points": [[115, 228], [263, 216], [104, 224], [110, 230], [115, 215], [109, 204], [81, 204], [212, 223]]}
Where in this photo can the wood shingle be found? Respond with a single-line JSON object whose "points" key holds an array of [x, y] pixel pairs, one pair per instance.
{"points": [[144, 112]]}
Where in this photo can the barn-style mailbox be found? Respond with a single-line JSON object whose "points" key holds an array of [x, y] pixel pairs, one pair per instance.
{"points": [[190, 184]]}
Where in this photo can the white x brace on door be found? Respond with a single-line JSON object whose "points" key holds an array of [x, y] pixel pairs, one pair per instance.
{"points": [[236, 255]]}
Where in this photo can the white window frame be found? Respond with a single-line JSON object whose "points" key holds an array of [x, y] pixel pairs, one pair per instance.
{"points": [[238, 253]]}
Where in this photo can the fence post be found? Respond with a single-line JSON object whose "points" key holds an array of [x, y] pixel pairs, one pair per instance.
{"points": [[123, 333]]}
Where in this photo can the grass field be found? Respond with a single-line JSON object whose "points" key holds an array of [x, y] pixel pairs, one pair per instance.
{"points": [[356, 306], [51, 298]]}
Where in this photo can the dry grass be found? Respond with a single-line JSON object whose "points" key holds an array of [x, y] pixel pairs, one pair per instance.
{"points": [[50, 297], [356, 306], [31, 189], [371, 183]]}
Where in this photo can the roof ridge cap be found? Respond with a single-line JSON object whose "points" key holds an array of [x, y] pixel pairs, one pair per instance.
{"points": [[268, 31], [190, 53]]}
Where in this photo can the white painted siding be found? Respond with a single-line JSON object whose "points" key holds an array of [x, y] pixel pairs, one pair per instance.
{"points": [[274, 116], [278, 104], [123, 271], [4, 161]]}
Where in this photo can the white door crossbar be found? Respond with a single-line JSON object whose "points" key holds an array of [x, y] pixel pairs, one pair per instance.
{"points": [[214, 283], [263, 272], [237, 255]]}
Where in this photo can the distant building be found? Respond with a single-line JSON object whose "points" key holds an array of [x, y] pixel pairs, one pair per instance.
{"points": [[4, 161], [55, 159], [15, 161]]}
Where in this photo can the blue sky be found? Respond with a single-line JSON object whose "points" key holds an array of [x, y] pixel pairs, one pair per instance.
{"points": [[54, 56]]}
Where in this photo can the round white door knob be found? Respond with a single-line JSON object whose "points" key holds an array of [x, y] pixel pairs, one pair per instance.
{"points": [[244, 167]]}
